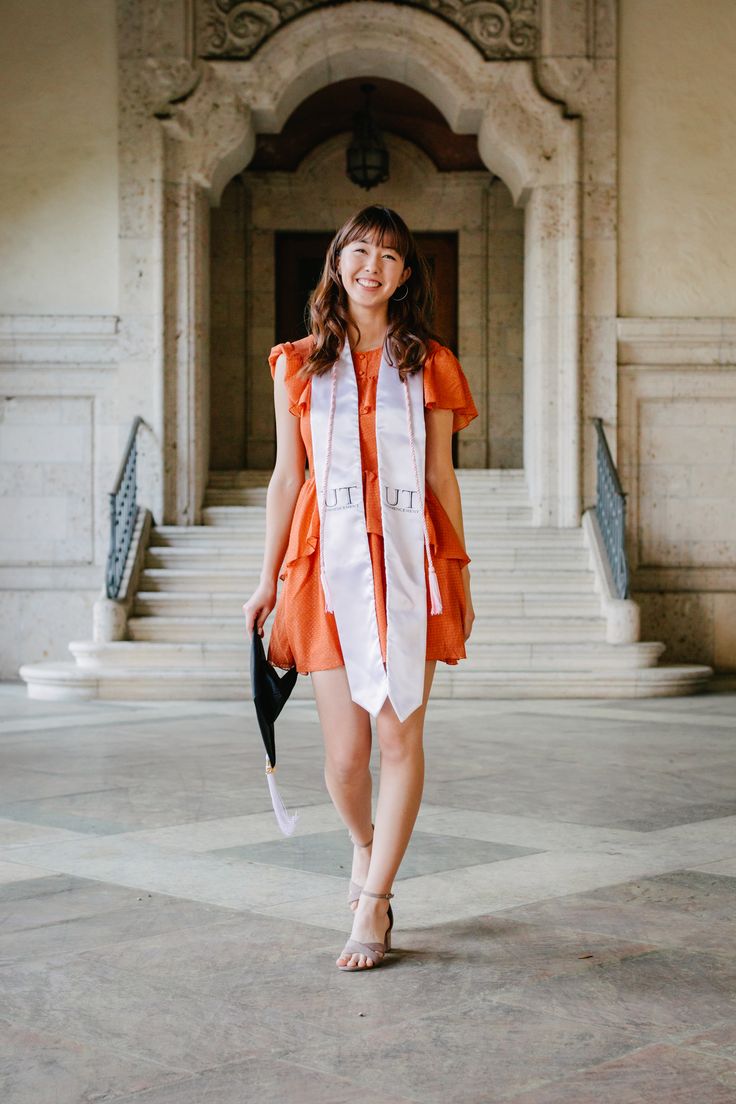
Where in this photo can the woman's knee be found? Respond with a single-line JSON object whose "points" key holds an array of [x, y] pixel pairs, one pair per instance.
{"points": [[347, 765], [397, 740]]}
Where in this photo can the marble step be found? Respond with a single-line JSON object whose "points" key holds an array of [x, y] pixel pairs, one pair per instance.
{"points": [[244, 478], [235, 496], [500, 607], [229, 628], [59, 681], [251, 539], [228, 516], [482, 657], [492, 581], [216, 558], [252, 477], [471, 493]]}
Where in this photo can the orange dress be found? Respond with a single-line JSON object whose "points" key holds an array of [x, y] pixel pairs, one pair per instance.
{"points": [[303, 634]]}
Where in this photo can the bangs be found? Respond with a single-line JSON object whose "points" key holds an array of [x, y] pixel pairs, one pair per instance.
{"points": [[378, 227]]}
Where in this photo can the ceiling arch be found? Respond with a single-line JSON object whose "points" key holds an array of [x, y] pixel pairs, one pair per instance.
{"points": [[397, 108]]}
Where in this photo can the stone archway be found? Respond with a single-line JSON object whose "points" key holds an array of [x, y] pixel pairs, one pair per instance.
{"points": [[277, 216], [535, 143]]}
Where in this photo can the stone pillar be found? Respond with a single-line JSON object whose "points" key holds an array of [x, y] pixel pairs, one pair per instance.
{"points": [[186, 350]]}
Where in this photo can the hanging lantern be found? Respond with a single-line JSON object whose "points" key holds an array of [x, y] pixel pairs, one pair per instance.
{"points": [[367, 156]]}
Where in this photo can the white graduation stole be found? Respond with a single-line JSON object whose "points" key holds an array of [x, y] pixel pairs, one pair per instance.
{"points": [[345, 562]]}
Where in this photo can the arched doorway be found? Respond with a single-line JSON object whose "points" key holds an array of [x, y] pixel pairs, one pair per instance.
{"points": [[526, 139], [275, 220]]}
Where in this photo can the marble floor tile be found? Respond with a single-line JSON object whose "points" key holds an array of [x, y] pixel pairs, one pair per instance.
{"points": [[211, 951], [18, 832], [471, 891], [121, 809], [648, 923], [702, 893], [182, 1029], [726, 867], [330, 853], [457, 962], [719, 1039], [672, 989], [12, 872], [115, 924], [532, 832], [65, 814], [265, 1078], [588, 795], [720, 831], [648, 1076], [222, 832], [564, 913], [198, 877], [431, 1059], [704, 704], [38, 1066]]}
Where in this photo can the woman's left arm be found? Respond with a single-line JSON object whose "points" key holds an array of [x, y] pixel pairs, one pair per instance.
{"points": [[440, 475]]}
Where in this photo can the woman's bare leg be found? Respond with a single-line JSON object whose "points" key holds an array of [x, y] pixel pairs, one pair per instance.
{"points": [[399, 798], [346, 729]]}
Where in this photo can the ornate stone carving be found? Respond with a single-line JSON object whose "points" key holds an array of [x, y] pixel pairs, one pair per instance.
{"points": [[230, 29]]}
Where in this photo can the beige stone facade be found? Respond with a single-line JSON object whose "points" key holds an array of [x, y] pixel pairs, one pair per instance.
{"points": [[594, 277]]}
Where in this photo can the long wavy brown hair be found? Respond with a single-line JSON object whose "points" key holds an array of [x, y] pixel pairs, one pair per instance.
{"points": [[410, 320]]}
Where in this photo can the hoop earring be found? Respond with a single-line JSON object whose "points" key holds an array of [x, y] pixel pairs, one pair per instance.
{"points": [[403, 297]]}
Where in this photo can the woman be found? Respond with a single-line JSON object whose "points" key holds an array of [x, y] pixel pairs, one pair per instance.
{"points": [[350, 613]]}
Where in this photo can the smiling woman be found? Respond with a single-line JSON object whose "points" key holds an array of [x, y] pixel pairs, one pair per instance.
{"points": [[371, 546], [372, 267], [374, 285]]}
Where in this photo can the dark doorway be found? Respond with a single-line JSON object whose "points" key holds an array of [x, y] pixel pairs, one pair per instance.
{"points": [[299, 260]]}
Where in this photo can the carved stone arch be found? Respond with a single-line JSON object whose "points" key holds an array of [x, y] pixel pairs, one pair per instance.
{"points": [[524, 137]]}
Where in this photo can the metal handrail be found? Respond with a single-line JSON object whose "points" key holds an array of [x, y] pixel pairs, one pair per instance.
{"points": [[123, 510], [610, 509]]}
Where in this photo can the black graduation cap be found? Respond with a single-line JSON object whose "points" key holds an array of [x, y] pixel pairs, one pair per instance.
{"points": [[270, 694]]}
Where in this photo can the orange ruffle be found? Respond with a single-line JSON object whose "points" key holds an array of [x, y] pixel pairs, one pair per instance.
{"points": [[303, 634]]}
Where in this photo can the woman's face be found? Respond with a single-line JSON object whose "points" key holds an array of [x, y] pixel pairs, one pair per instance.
{"points": [[371, 273]]}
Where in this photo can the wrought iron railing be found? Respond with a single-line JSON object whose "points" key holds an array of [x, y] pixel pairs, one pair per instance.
{"points": [[610, 510], [123, 510]]}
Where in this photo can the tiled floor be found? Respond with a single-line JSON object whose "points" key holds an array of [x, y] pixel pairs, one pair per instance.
{"points": [[565, 913]]}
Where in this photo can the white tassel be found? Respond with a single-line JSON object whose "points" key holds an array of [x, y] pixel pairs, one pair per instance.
{"points": [[287, 821], [434, 591]]}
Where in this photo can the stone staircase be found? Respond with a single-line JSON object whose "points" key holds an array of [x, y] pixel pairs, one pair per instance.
{"points": [[539, 628]]}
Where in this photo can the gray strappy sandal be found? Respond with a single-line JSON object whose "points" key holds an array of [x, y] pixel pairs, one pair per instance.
{"points": [[374, 951], [355, 889]]}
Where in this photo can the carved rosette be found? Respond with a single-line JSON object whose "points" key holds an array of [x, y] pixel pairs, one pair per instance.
{"points": [[232, 29]]}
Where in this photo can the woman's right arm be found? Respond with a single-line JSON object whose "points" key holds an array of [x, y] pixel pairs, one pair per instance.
{"points": [[283, 490]]}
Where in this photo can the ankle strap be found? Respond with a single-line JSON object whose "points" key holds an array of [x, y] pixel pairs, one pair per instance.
{"points": [[369, 894]]}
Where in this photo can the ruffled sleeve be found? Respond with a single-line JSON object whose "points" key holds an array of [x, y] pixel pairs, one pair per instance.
{"points": [[446, 387], [298, 389]]}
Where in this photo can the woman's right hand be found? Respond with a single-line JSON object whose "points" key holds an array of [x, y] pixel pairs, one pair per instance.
{"points": [[258, 607]]}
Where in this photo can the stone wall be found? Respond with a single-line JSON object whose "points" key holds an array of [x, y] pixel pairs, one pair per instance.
{"points": [[677, 324], [58, 158], [59, 444], [677, 159], [677, 460], [59, 451]]}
